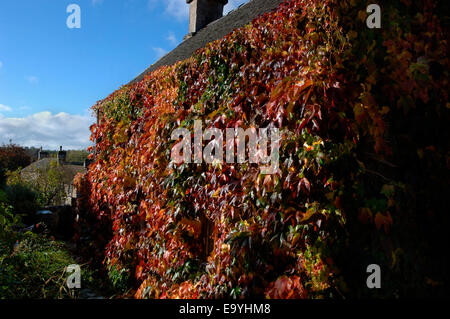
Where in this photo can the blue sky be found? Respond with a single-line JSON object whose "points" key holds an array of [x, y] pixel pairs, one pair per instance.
{"points": [[51, 75]]}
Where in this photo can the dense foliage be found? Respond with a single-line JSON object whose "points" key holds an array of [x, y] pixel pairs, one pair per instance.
{"points": [[34, 266], [30, 266], [363, 162], [77, 156], [35, 188], [12, 157]]}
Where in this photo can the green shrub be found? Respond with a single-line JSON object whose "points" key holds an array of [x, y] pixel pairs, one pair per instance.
{"points": [[23, 199], [119, 279], [7, 218], [11, 158], [35, 266]]}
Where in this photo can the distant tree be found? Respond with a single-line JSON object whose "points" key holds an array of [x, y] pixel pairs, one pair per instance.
{"points": [[12, 157], [47, 182], [76, 156], [50, 185], [33, 152], [23, 200]]}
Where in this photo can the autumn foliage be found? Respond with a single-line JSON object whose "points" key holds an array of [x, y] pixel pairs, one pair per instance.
{"points": [[12, 157], [364, 161]]}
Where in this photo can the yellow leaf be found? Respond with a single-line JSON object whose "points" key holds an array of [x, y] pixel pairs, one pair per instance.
{"points": [[384, 110], [216, 193], [309, 213], [194, 225], [362, 15], [352, 34], [420, 153]]}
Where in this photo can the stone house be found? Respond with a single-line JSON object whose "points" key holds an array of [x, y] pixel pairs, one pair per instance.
{"points": [[67, 170]]}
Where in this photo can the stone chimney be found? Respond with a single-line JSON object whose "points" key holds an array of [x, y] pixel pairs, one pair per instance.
{"points": [[61, 155], [203, 12], [42, 154]]}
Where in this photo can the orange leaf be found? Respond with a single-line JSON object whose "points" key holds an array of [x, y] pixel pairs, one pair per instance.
{"points": [[383, 221]]}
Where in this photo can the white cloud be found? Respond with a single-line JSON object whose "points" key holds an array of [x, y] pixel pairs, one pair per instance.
{"points": [[47, 130], [32, 79], [95, 2], [5, 108], [233, 4], [180, 9], [172, 38], [160, 52], [177, 8]]}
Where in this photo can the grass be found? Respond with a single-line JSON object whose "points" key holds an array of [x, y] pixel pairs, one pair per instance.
{"points": [[35, 268]]}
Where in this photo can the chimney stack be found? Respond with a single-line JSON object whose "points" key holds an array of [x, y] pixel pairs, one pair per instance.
{"points": [[42, 154], [61, 155], [203, 12]]}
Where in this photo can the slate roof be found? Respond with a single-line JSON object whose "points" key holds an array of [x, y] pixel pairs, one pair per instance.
{"points": [[40, 164], [213, 31], [69, 171]]}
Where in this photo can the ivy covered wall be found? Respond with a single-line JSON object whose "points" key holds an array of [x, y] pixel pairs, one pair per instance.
{"points": [[364, 160]]}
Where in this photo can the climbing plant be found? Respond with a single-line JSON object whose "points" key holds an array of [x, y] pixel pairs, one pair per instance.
{"points": [[364, 158]]}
